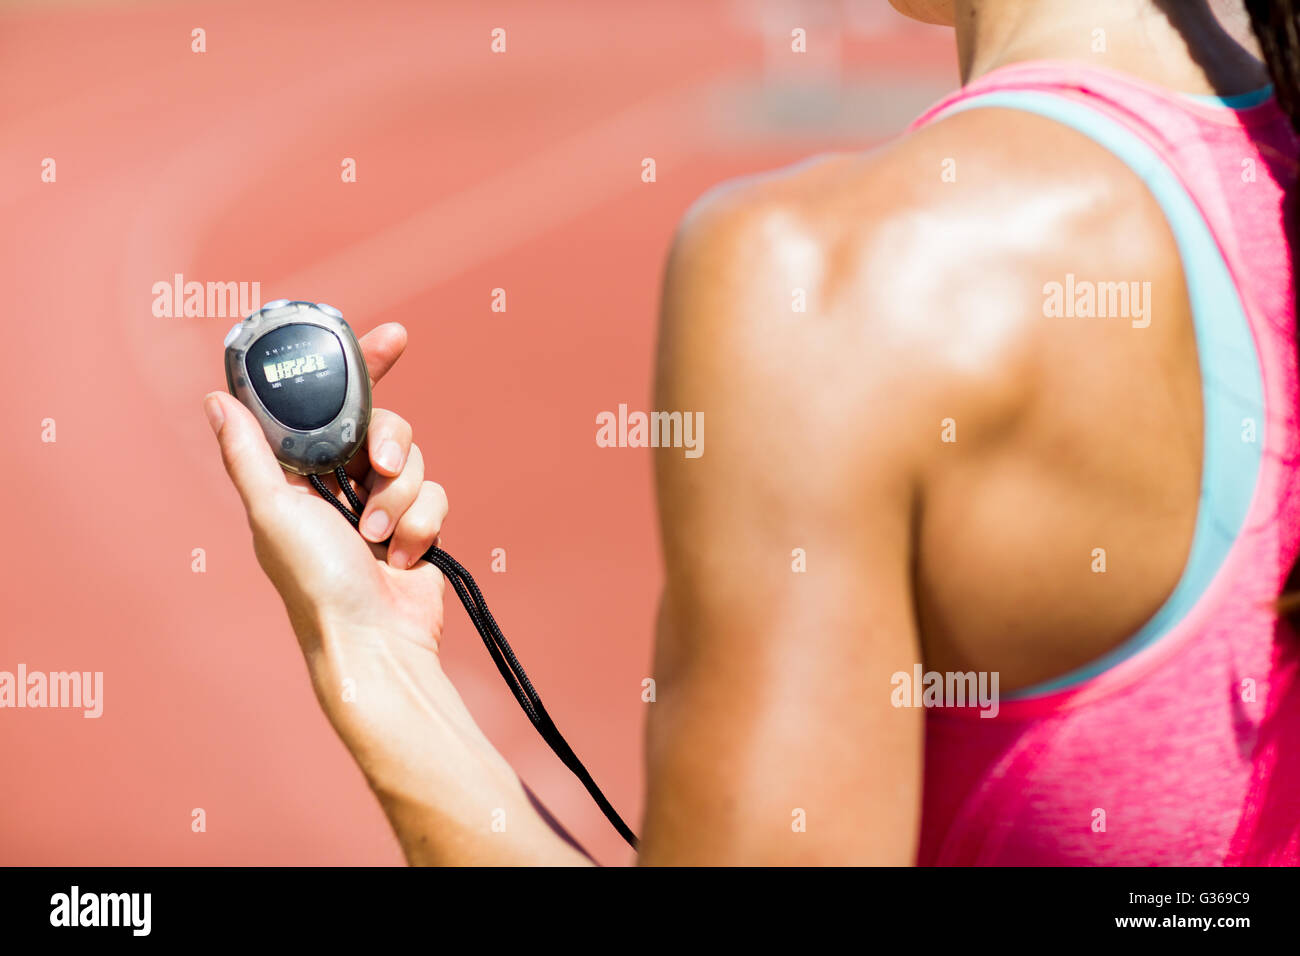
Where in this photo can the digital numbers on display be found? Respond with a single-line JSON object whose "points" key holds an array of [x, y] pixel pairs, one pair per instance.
{"points": [[293, 367]]}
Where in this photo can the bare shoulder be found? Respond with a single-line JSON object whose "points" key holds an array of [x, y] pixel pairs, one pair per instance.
{"points": [[913, 274], [837, 317], [824, 321]]}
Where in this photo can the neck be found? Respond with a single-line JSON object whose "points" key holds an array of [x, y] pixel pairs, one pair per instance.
{"points": [[1197, 46]]}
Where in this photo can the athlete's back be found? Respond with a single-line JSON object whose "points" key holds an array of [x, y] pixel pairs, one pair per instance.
{"points": [[1074, 494], [1037, 422], [1171, 747]]}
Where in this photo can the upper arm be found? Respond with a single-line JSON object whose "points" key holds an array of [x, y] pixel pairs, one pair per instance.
{"points": [[787, 605]]}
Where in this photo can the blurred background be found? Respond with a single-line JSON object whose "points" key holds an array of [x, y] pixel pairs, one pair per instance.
{"points": [[141, 141]]}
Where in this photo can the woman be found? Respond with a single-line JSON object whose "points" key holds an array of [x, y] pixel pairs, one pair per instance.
{"points": [[1035, 426]]}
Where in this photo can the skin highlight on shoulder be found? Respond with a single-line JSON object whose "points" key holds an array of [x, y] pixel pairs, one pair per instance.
{"points": [[922, 271]]}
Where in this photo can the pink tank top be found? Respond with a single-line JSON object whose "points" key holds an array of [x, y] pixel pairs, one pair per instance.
{"points": [[1182, 746]]}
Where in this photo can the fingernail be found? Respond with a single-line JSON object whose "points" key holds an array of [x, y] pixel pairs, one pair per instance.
{"points": [[389, 456], [398, 560], [216, 417], [377, 525]]}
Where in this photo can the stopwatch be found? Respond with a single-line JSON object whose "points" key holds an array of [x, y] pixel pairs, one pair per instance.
{"points": [[299, 369]]}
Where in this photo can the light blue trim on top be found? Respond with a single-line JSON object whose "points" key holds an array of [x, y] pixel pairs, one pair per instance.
{"points": [[1231, 381], [1242, 101]]}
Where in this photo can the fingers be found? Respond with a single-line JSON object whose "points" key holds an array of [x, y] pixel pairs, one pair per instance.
{"points": [[382, 346], [249, 462], [418, 527], [408, 508], [389, 436], [390, 497], [389, 439]]}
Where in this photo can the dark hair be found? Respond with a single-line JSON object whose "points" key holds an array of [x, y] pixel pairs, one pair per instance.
{"points": [[1277, 27]]}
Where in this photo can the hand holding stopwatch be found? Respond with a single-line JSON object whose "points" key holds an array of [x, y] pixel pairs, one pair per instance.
{"points": [[299, 369]]}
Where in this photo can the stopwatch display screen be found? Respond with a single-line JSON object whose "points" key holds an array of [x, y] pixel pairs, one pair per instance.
{"points": [[299, 374]]}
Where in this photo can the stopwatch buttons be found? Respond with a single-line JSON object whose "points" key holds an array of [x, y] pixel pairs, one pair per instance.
{"points": [[232, 334], [324, 455], [329, 310], [275, 305]]}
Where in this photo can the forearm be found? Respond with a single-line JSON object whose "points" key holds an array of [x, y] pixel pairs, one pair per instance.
{"points": [[450, 796], [439, 832]]}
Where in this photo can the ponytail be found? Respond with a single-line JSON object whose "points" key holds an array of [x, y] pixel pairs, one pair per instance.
{"points": [[1277, 27]]}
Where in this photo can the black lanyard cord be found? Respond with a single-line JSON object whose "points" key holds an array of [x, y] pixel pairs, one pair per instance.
{"points": [[476, 608], [503, 656]]}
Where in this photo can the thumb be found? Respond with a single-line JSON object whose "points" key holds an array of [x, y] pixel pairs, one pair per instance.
{"points": [[252, 468]]}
